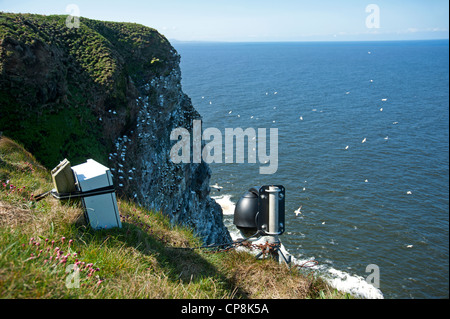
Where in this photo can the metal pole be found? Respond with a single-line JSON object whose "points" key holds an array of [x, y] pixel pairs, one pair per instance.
{"points": [[273, 218], [273, 210]]}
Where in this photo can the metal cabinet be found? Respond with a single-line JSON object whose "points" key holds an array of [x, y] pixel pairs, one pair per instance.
{"points": [[101, 210]]}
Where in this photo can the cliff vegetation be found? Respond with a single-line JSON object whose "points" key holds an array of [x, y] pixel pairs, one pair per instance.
{"points": [[58, 84], [111, 92]]}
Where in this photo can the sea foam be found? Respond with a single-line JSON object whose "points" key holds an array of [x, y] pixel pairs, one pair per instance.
{"points": [[355, 285]]}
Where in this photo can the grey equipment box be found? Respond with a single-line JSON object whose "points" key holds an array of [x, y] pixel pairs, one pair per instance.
{"points": [[101, 210]]}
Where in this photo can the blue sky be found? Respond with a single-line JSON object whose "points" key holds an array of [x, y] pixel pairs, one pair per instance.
{"points": [[264, 20]]}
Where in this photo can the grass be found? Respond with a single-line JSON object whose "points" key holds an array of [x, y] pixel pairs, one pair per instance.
{"points": [[48, 251]]}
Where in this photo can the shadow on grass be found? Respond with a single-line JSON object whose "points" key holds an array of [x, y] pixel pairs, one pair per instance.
{"points": [[179, 264]]}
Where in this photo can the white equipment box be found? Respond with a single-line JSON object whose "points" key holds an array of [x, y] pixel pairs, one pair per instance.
{"points": [[101, 210]]}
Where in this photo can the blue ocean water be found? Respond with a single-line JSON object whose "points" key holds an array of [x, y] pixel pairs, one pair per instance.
{"points": [[383, 202]]}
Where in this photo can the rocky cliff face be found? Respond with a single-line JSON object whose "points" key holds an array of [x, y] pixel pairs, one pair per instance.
{"points": [[142, 166], [108, 91]]}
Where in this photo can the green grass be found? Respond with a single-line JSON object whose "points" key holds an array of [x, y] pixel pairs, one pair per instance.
{"points": [[147, 258]]}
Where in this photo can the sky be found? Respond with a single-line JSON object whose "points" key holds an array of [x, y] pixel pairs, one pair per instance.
{"points": [[263, 20]]}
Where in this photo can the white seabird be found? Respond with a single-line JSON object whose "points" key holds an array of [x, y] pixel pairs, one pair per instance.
{"points": [[216, 187], [364, 140], [298, 211]]}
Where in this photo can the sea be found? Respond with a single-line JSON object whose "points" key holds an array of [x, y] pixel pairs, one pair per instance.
{"points": [[363, 149]]}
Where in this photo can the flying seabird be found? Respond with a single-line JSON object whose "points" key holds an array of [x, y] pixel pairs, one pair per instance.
{"points": [[298, 211], [216, 187]]}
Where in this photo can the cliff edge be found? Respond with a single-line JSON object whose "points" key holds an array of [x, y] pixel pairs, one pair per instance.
{"points": [[108, 91]]}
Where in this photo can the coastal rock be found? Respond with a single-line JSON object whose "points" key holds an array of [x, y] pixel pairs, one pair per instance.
{"points": [[111, 92], [145, 171]]}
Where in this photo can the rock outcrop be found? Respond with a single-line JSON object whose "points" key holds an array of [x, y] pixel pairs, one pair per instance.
{"points": [[108, 91]]}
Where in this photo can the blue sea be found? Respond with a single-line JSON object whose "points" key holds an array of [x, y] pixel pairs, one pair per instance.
{"points": [[363, 147]]}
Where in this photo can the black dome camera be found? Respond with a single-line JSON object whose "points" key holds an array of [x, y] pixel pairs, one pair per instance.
{"points": [[252, 212]]}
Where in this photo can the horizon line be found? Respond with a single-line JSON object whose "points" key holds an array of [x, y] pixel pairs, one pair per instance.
{"points": [[301, 41]]}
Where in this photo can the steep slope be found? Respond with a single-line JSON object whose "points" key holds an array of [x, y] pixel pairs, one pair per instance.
{"points": [[47, 252], [108, 91]]}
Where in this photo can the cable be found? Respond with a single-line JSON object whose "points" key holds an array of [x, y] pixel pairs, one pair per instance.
{"points": [[39, 197], [229, 244], [76, 194]]}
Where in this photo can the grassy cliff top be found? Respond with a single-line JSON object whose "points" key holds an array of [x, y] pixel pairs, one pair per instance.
{"points": [[97, 46], [143, 259], [58, 84]]}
